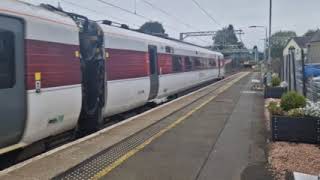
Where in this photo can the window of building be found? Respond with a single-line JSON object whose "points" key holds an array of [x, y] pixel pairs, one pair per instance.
{"points": [[177, 65], [187, 64], [7, 57]]}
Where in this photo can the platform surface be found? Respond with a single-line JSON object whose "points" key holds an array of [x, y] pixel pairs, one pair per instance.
{"points": [[223, 140]]}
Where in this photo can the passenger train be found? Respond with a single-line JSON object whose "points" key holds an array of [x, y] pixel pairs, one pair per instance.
{"points": [[60, 71]]}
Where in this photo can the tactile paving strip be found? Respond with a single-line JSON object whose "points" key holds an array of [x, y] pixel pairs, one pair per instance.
{"points": [[95, 164], [90, 167]]}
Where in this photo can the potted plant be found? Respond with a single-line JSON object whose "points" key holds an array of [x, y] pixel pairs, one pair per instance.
{"points": [[294, 119], [275, 90]]}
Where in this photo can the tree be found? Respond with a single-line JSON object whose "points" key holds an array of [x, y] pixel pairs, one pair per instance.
{"points": [[226, 36], [152, 27], [241, 45], [279, 41], [310, 32]]}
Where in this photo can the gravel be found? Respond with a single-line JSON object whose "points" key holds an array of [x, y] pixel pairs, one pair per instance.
{"points": [[291, 157]]}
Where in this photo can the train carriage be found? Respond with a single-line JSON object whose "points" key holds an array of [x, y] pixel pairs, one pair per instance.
{"points": [[60, 71], [37, 44], [135, 60]]}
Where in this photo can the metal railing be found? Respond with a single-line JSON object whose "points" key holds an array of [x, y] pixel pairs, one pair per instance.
{"points": [[313, 89], [299, 78], [294, 76]]}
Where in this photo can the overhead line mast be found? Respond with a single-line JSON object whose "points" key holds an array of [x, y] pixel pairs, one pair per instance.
{"points": [[185, 35]]}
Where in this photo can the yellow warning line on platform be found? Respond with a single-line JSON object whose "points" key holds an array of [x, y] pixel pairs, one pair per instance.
{"points": [[123, 158]]}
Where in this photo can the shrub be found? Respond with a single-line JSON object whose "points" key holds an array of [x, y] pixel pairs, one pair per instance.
{"points": [[275, 81], [275, 109], [299, 112], [292, 100]]}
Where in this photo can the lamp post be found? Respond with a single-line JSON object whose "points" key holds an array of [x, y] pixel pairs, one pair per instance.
{"points": [[269, 52], [262, 67], [266, 40], [269, 44]]}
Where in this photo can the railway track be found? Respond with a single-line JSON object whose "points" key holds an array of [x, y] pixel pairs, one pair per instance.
{"points": [[40, 147]]}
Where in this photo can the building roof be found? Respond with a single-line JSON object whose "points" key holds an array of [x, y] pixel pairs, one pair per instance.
{"points": [[316, 37], [302, 41]]}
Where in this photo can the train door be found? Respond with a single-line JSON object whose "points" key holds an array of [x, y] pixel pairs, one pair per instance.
{"points": [[219, 66], [154, 72], [12, 81]]}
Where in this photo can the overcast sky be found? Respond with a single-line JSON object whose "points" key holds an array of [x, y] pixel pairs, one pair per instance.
{"points": [[185, 15]]}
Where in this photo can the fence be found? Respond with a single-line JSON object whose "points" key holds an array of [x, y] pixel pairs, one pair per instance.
{"points": [[299, 77], [313, 89], [294, 73]]}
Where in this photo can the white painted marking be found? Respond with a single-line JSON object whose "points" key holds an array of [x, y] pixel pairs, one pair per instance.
{"points": [[11, 148], [249, 92], [33, 91], [301, 176]]}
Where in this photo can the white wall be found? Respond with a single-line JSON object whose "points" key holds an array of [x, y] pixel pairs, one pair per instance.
{"points": [[292, 43]]}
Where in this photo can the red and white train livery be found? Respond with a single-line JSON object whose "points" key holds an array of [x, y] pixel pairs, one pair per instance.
{"points": [[60, 71]]}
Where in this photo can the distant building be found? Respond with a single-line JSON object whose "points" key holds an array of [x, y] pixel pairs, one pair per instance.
{"points": [[297, 44], [314, 49], [292, 59], [237, 57], [292, 70]]}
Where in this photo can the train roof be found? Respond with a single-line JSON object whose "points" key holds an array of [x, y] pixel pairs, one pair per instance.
{"points": [[156, 39], [22, 9]]}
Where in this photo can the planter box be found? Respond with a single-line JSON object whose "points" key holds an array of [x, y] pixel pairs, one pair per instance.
{"points": [[274, 92], [296, 129]]}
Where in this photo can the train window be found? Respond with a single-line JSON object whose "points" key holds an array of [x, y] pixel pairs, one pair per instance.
{"points": [[176, 64], [212, 63], [205, 63], [197, 63], [153, 60], [7, 65], [187, 64], [169, 49]]}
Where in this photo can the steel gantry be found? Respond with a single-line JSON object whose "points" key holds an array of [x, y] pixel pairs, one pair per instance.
{"points": [[185, 35]]}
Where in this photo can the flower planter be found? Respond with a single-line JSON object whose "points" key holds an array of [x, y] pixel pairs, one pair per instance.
{"points": [[274, 92], [296, 129]]}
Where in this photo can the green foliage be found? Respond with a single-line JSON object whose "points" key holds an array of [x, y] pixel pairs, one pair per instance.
{"points": [[275, 109], [152, 27], [279, 41], [275, 81], [299, 112], [226, 36], [292, 100], [310, 32]]}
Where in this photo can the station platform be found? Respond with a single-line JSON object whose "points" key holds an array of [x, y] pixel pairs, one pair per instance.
{"points": [[215, 133]]}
